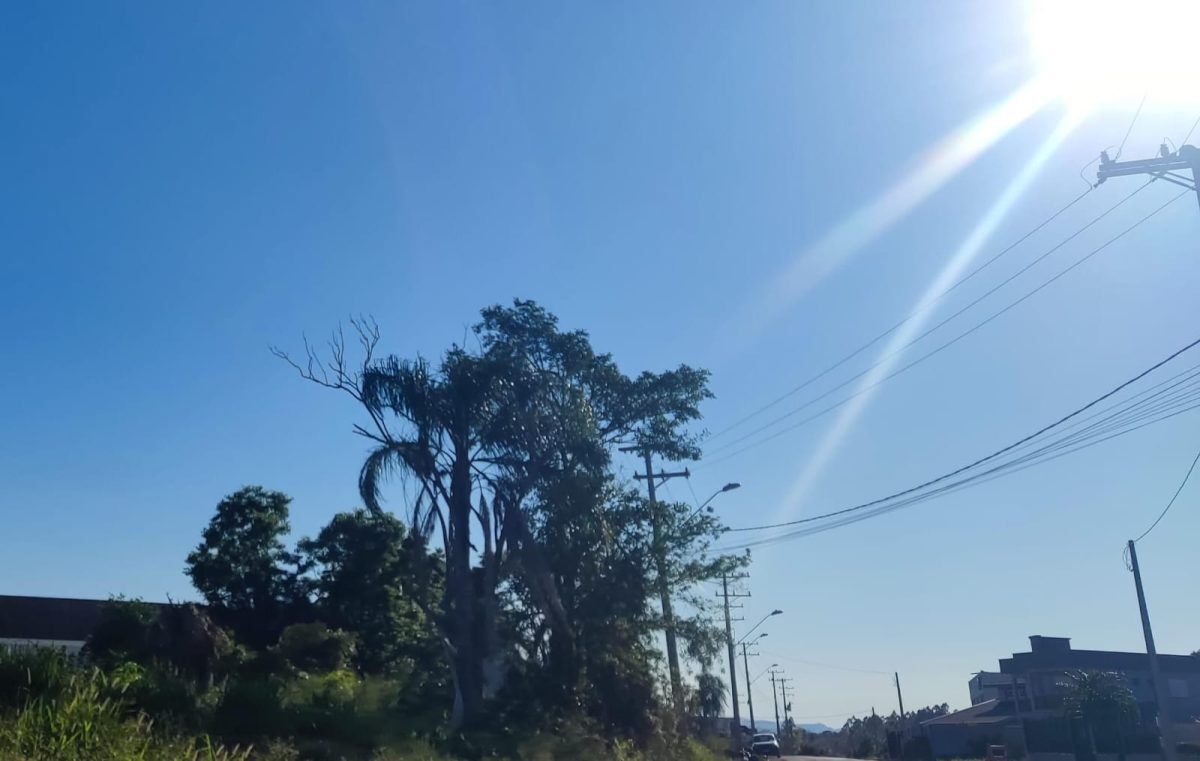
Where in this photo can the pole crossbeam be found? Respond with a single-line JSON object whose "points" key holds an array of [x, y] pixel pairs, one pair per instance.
{"points": [[1162, 167]]}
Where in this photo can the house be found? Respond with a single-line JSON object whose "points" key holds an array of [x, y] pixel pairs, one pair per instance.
{"points": [[991, 685], [54, 622], [1044, 668], [1028, 691], [969, 732]]}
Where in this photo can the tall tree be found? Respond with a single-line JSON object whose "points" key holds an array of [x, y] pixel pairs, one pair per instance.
{"points": [[369, 576], [481, 434], [242, 567]]}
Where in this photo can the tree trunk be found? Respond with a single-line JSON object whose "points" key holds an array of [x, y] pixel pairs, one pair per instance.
{"points": [[460, 592], [489, 607]]}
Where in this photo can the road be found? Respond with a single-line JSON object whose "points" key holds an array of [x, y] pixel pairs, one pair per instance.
{"points": [[815, 758]]}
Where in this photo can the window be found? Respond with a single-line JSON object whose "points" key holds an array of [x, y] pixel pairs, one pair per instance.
{"points": [[1177, 688]]}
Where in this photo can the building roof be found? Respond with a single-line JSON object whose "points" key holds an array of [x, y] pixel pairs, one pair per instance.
{"points": [[49, 618], [1099, 660], [987, 712], [1056, 654]]}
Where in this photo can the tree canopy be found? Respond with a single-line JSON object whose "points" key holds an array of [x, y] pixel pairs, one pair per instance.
{"points": [[504, 448]]}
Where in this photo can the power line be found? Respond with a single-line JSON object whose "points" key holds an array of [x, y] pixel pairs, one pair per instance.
{"points": [[941, 491], [904, 368], [922, 309], [1132, 122], [827, 665], [991, 474], [1173, 498], [1190, 131], [988, 458]]}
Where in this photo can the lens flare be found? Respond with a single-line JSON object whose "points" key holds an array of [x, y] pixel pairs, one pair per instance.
{"points": [[935, 168], [952, 271]]}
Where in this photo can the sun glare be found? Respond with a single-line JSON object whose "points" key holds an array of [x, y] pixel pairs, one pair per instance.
{"points": [[1105, 52]]}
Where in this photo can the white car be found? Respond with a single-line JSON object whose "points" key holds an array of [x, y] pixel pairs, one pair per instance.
{"points": [[765, 744]]}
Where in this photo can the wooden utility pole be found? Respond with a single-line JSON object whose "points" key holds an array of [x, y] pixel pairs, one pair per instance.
{"points": [[1165, 733], [736, 730], [775, 697], [749, 692], [783, 690], [660, 561]]}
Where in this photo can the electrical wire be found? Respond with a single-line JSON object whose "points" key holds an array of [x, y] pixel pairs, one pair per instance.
{"points": [[920, 337], [914, 491], [952, 488], [1132, 122], [904, 368], [1190, 131], [827, 665], [1173, 498], [920, 310], [975, 480]]}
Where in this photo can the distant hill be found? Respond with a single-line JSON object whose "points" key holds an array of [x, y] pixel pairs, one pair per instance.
{"points": [[769, 726]]}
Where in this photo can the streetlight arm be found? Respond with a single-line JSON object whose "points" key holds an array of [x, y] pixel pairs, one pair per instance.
{"points": [[704, 504], [775, 612]]}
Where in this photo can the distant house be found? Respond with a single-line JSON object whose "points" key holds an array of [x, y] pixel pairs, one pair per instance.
{"points": [[968, 732], [991, 685], [53, 622]]}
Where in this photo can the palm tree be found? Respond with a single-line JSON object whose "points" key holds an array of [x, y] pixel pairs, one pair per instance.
{"points": [[710, 695], [1098, 697]]}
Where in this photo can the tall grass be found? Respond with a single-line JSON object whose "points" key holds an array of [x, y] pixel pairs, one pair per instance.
{"points": [[53, 711]]}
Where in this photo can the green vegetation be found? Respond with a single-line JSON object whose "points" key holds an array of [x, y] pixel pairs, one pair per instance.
{"points": [[508, 610], [53, 710]]}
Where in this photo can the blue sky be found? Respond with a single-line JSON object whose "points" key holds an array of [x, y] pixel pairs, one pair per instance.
{"points": [[187, 185]]}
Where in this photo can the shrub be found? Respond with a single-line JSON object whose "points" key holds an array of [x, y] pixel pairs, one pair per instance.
{"points": [[123, 632], [316, 647], [28, 674]]}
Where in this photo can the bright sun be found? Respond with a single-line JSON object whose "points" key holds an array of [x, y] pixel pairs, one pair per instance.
{"points": [[1104, 52]]}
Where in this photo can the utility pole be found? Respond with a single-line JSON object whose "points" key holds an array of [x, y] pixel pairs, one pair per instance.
{"points": [[1164, 167], [775, 697], [749, 692], [1165, 733], [899, 697], [660, 560], [783, 690], [736, 729]]}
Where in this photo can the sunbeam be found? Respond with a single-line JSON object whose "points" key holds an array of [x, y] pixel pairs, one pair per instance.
{"points": [[951, 272], [938, 165]]}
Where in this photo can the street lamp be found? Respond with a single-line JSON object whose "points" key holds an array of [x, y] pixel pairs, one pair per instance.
{"points": [[775, 612], [727, 487], [768, 668]]}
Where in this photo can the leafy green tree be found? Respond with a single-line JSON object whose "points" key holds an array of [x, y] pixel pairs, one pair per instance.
{"points": [[242, 567], [483, 435], [1099, 698], [371, 577]]}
